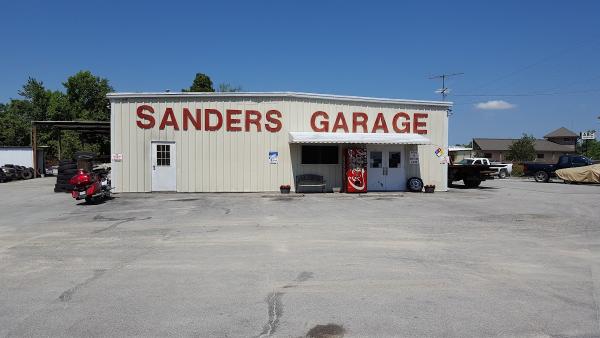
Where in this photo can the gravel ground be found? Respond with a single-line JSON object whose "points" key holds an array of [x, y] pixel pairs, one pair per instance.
{"points": [[512, 259]]}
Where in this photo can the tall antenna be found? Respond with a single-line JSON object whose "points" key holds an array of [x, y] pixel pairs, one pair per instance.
{"points": [[444, 91]]}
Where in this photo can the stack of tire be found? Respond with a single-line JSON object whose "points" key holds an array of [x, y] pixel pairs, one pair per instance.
{"points": [[11, 172], [66, 170]]}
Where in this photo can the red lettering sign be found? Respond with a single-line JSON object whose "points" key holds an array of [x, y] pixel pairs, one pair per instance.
{"points": [[340, 123], [217, 114], [214, 120], [169, 120], [324, 124], [274, 116], [417, 123], [231, 122], [380, 124], [187, 117], [405, 124], [140, 113]]}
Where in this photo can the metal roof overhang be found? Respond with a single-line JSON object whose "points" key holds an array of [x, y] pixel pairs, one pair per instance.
{"points": [[364, 138]]}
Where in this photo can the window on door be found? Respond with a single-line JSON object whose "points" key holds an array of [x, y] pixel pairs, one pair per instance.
{"points": [[394, 159], [163, 154], [376, 159]]}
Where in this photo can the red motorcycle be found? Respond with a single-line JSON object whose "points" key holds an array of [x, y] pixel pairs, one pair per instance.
{"points": [[94, 186]]}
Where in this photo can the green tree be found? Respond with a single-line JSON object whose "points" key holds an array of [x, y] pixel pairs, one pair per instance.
{"points": [[202, 83], [15, 130], [592, 149], [37, 98], [522, 149], [226, 87], [86, 96]]}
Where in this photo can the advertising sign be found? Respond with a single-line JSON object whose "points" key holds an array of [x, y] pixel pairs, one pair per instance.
{"points": [[588, 135]]}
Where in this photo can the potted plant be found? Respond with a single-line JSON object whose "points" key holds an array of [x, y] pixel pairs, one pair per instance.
{"points": [[430, 188], [285, 188]]}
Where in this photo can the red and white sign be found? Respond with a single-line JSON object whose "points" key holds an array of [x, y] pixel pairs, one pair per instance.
{"points": [[237, 120]]}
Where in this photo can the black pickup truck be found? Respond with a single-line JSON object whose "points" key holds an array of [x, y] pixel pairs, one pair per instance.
{"points": [[470, 173], [542, 172]]}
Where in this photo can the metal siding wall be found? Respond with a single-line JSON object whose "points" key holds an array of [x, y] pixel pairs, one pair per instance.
{"points": [[237, 161]]}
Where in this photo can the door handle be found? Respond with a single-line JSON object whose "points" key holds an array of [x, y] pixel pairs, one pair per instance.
{"points": [[153, 167]]}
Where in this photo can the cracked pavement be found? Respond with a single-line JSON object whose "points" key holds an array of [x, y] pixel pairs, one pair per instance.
{"points": [[515, 258]]}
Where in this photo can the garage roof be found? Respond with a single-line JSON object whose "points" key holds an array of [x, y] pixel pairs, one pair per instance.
{"points": [[366, 138], [278, 94]]}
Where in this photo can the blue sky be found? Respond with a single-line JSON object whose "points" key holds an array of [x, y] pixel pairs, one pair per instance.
{"points": [[381, 49]]}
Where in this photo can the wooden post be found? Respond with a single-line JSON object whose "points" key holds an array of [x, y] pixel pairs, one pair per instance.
{"points": [[59, 133], [34, 148]]}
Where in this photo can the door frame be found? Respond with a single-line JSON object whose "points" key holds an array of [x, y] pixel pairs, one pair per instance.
{"points": [[173, 161], [385, 150]]}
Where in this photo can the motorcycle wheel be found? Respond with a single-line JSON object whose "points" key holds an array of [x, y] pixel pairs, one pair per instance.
{"points": [[89, 199]]}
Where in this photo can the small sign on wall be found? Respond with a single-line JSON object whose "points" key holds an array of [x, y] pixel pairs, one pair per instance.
{"points": [[273, 157], [117, 157], [413, 157]]}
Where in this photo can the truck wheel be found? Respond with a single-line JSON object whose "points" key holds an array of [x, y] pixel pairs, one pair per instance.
{"points": [[414, 184], [542, 176], [472, 183], [502, 173]]}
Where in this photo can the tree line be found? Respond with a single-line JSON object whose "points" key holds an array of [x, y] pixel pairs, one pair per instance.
{"points": [[83, 99]]}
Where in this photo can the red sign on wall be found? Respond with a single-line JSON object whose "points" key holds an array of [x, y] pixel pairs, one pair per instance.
{"points": [[236, 120]]}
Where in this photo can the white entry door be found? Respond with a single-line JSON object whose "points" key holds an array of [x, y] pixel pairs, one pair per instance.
{"points": [[164, 170], [386, 169]]}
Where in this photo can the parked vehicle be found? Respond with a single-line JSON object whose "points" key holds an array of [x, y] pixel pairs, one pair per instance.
{"points": [[503, 170], [543, 172], [586, 174], [94, 186], [471, 173]]}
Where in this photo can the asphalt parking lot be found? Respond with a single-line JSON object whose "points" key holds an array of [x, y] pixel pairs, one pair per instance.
{"points": [[513, 259]]}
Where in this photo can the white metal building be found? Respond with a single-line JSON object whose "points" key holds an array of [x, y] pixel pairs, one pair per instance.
{"points": [[17, 156], [253, 142]]}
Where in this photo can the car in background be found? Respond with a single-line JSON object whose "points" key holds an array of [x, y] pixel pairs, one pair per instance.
{"points": [[543, 172], [502, 170]]}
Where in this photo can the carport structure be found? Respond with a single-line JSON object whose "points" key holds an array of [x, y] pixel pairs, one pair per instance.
{"points": [[82, 127]]}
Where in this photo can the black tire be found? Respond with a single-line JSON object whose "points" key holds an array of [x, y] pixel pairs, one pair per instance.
{"points": [[84, 155], [503, 173], [541, 176], [67, 166], [473, 183], [64, 176], [67, 172], [414, 184], [26, 175]]}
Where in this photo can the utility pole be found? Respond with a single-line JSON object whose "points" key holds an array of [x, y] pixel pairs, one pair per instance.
{"points": [[444, 91]]}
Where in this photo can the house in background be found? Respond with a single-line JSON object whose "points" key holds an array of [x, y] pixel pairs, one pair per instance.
{"points": [[558, 142]]}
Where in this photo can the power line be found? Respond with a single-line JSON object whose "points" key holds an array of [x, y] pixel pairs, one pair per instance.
{"points": [[539, 61], [533, 94]]}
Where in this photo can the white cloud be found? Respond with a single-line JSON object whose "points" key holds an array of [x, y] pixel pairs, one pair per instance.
{"points": [[494, 105]]}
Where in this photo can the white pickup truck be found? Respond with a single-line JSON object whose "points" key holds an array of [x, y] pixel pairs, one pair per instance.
{"points": [[503, 169]]}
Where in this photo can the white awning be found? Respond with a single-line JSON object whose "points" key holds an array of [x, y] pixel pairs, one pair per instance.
{"points": [[367, 138]]}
